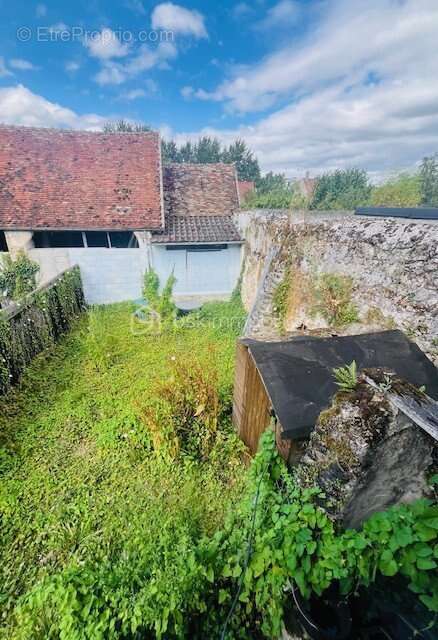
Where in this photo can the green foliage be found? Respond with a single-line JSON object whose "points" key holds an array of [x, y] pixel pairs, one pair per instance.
{"points": [[271, 182], [17, 277], [41, 319], [100, 524], [403, 190], [346, 377], [123, 126], [295, 541], [429, 181], [341, 189], [207, 150], [280, 298], [275, 199], [160, 303], [333, 299]]}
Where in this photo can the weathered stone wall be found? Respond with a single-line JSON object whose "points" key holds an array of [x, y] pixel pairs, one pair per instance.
{"points": [[340, 274]]}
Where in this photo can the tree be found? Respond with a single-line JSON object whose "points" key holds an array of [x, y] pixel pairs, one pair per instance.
{"points": [[247, 165], [403, 190], [429, 180], [208, 150], [169, 151], [341, 189], [271, 182], [123, 126]]}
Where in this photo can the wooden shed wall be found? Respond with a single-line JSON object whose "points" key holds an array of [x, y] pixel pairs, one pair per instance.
{"points": [[251, 406]]}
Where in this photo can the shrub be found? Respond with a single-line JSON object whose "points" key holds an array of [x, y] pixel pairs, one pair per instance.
{"points": [[159, 303], [333, 299], [403, 190], [342, 189]]}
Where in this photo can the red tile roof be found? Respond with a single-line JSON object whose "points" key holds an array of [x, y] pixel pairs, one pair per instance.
{"points": [[245, 187], [200, 189], [52, 179], [198, 229]]}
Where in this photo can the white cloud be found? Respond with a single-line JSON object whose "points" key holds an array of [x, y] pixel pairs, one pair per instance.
{"points": [[72, 66], [106, 45], [241, 10], [22, 65], [134, 94], [173, 17], [58, 27], [40, 10], [360, 90], [354, 37], [280, 16], [4, 71], [19, 106], [145, 59], [136, 6], [187, 92]]}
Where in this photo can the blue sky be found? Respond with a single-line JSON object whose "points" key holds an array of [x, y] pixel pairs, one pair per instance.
{"points": [[310, 84]]}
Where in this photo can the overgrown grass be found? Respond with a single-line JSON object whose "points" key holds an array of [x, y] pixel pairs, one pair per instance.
{"points": [[92, 501]]}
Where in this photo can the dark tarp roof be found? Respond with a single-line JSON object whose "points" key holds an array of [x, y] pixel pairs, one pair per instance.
{"points": [[298, 374], [418, 213]]}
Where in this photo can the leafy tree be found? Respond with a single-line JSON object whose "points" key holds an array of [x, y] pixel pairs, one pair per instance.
{"points": [[187, 153], [429, 180], [271, 182], [403, 190], [123, 126], [17, 277], [247, 165], [169, 151], [279, 198], [208, 150], [341, 189]]}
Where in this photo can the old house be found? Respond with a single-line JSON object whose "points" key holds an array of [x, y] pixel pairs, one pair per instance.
{"points": [[105, 202]]}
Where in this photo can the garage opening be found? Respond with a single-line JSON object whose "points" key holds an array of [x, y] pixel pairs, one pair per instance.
{"points": [[3, 243], [92, 239]]}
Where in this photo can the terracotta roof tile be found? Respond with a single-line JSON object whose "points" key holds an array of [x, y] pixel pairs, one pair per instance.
{"points": [[52, 179], [198, 229], [200, 189]]}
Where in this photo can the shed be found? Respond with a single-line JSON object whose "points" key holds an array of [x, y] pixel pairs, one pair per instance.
{"points": [[294, 379]]}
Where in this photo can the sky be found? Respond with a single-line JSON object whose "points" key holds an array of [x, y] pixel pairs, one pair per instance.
{"points": [[311, 85]]}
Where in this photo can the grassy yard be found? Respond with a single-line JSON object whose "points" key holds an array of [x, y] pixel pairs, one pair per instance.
{"points": [[116, 456]]}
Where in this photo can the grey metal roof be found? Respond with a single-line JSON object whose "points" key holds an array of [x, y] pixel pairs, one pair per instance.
{"points": [[419, 213]]}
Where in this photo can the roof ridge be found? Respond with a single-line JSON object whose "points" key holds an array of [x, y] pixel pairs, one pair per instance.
{"points": [[21, 127]]}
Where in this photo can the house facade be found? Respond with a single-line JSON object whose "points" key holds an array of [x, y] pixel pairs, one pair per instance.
{"points": [[105, 202]]}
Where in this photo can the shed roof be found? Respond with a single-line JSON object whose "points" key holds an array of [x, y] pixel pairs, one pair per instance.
{"points": [[198, 229], [415, 213], [58, 179], [298, 374]]}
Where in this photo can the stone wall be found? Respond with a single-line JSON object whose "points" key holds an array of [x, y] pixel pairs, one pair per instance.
{"points": [[340, 274]]}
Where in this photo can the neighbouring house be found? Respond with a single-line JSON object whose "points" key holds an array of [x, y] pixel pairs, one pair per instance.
{"points": [[105, 202], [245, 187]]}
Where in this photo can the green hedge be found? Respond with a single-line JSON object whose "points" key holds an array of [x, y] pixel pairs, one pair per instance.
{"points": [[34, 323]]}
